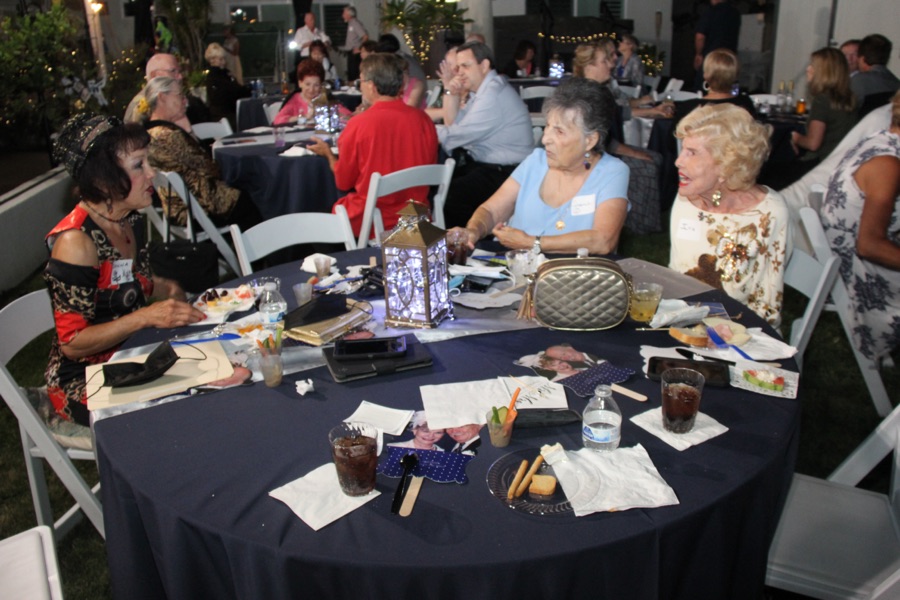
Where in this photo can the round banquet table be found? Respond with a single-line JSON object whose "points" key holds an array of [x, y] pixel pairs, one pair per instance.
{"points": [[278, 185], [251, 112], [187, 513]]}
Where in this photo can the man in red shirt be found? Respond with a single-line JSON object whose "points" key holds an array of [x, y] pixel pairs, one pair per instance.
{"points": [[388, 136]]}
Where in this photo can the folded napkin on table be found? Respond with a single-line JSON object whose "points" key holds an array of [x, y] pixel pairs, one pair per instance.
{"points": [[705, 428], [389, 420], [261, 129], [608, 481], [317, 497], [297, 151], [309, 263], [677, 313], [479, 270]]}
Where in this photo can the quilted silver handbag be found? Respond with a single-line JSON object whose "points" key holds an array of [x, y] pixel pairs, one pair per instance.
{"points": [[577, 294]]}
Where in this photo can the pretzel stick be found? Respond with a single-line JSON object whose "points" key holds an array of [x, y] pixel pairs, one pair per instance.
{"points": [[527, 481], [517, 480]]}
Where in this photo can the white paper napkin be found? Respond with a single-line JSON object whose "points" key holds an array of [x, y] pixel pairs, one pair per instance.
{"points": [[481, 301], [705, 428], [309, 263], [317, 497], [457, 404], [479, 270], [389, 420], [607, 481], [676, 313], [297, 151], [261, 129]]}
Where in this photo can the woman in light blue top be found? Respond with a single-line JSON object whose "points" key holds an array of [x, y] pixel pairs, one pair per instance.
{"points": [[567, 195]]}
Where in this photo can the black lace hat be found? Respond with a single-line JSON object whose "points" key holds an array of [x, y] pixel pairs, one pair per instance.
{"points": [[77, 137]]}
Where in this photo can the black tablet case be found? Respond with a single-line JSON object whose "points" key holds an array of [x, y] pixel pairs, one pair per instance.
{"points": [[416, 356]]}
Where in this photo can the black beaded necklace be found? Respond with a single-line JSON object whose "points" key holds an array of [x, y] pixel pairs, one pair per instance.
{"points": [[120, 222]]}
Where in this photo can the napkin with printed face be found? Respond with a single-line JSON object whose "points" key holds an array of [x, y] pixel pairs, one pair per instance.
{"points": [[705, 428], [317, 497]]}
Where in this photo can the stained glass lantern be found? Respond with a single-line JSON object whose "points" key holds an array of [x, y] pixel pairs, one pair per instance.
{"points": [[416, 290]]}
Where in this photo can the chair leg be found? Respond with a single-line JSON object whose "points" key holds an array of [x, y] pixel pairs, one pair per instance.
{"points": [[37, 481]]}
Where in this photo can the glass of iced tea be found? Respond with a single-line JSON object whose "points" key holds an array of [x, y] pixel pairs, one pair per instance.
{"points": [[354, 447], [681, 392], [644, 301]]}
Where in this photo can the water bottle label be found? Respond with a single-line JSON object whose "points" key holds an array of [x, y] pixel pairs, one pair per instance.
{"points": [[605, 435]]}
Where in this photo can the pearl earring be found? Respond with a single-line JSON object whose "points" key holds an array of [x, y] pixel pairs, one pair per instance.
{"points": [[587, 161]]}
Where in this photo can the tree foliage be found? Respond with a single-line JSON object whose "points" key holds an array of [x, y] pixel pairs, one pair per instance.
{"points": [[421, 20], [189, 22]]}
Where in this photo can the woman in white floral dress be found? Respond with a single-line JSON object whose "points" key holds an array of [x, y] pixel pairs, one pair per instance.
{"points": [[726, 230], [861, 217]]}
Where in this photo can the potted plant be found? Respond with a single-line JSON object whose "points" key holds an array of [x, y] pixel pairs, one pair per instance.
{"points": [[421, 20]]}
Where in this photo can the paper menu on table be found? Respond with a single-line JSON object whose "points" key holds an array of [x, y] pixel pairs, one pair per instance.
{"points": [[188, 372], [458, 404]]}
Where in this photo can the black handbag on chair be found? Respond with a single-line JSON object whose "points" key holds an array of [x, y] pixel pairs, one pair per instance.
{"points": [[193, 264]]}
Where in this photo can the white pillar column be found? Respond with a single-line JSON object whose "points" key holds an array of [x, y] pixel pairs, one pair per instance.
{"points": [[483, 19]]}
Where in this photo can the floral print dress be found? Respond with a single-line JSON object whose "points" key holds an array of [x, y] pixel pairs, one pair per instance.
{"points": [[874, 290], [744, 254], [83, 296]]}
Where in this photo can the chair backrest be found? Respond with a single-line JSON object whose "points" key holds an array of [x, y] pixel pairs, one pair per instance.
{"points": [[679, 96], [673, 86], [289, 230], [210, 231], [28, 565], [271, 111], [651, 82], [764, 98], [382, 185], [632, 91], [433, 94], [212, 130], [21, 321], [536, 91], [814, 279]]}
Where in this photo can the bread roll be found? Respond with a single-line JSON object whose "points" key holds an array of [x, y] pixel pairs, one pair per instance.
{"points": [[693, 336], [730, 331]]}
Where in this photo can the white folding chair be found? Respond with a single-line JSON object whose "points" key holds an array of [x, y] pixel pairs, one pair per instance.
{"points": [[835, 541], [382, 185], [814, 278], [289, 230], [673, 85], [28, 566], [679, 96], [21, 321], [212, 130], [431, 97], [271, 111], [632, 91], [840, 303], [173, 181], [536, 91], [651, 83], [771, 99]]}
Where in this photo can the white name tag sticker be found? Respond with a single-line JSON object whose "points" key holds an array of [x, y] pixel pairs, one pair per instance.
{"points": [[689, 230], [121, 272], [583, 205]]}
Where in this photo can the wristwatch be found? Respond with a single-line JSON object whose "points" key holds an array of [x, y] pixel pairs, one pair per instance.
{"points": [[536, 247]]}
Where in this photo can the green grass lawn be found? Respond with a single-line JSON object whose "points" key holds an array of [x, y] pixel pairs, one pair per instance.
{"points": [[837, 415]]}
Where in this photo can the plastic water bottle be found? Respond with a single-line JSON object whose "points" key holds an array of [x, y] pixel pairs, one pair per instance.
{"points": [[601, 426], [272, 305]]}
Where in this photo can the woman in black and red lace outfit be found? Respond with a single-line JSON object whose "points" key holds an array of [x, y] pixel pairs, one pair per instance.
{"points": [[99, 269]]}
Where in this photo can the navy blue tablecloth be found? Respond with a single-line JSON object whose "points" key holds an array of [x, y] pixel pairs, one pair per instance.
{"points": [[187, 512], [278, 185]]}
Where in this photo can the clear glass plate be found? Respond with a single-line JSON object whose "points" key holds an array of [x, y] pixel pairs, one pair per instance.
{"points": [[501, 474]]}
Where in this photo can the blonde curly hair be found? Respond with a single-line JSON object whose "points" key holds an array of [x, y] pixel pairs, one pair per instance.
{"points": [[739, 145]]}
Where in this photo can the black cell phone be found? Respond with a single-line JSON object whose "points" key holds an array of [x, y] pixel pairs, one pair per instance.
{"points": [[476, 284], [716, 374], [385, 347]]}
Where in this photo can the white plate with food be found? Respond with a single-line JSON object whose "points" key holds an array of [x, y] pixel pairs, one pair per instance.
{"points": [[761, 379], [218, 303]]}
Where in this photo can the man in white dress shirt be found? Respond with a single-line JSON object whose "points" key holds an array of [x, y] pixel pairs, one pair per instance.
{"points": [[309, 33]]}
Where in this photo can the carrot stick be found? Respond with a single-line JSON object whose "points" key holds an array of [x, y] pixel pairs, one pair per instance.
{"points": [[512, 403], [517, 480]]}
